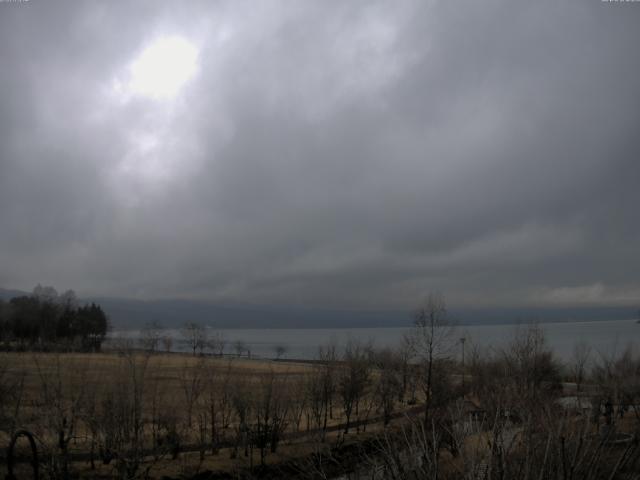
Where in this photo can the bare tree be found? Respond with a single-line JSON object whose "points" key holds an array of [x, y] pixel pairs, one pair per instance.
{"points": [[241, 401], [315, 399], [45, 293], [68, 300], [225, 398], [217, 343], [120, 416], [150, 336], [279, 350], [167, 343], [404, 354], [387, 383], [618, 380], [269, 412], [328, 358], [192, 383], [533, 367], [239, 346], [11, 396], [299, 399], [59, 405], [195, 336], [431, 342], [217, 402], [579, 362], [353, 379]]}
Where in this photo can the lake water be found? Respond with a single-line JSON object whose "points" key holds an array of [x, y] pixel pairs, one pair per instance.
{"points": [[606, 337]]}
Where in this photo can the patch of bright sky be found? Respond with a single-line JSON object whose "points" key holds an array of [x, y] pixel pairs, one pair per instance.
{"points": [[163, 68], [158, 73]]}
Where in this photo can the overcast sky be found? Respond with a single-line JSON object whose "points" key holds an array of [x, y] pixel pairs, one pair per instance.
{"points": [[343, 154]]}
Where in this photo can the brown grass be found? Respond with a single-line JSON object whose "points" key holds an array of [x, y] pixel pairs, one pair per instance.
{"points": [[79, 373]]}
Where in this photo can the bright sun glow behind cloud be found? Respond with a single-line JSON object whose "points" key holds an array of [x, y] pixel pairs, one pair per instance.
{"points": [[163, 68], [159, 71]]}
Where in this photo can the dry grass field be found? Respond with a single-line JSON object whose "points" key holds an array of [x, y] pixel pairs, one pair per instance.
{"points": [[107, 414]]}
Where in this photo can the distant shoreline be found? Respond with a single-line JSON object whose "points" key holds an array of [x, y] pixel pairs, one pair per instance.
{"points": [[390, 327]]}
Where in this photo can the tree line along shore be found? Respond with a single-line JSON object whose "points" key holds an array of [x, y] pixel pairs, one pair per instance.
{"points": [[46, 320]]}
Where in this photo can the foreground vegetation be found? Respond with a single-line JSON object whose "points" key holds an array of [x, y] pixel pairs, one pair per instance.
{"points": [[409, 413]]}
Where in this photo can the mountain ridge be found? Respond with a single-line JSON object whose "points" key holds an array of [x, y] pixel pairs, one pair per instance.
{"points": [[128, 314]]}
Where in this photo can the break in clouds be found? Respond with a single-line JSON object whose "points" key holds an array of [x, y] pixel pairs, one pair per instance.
{"points": [[322, 153]]}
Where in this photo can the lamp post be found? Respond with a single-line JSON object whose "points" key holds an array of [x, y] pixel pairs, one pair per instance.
{"points": [[462, 340]]}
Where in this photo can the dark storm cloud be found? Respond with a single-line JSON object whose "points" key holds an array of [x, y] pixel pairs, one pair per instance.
{"points": [[354, 154]]}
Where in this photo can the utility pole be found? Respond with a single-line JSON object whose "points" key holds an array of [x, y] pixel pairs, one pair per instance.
{"points": [[462, 340]]}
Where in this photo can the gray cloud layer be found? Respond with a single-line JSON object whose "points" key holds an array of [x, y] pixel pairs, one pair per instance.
{"points": [[325, 153]]}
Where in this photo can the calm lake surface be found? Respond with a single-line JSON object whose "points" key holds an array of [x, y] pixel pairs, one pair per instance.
{"points": [[606, 337]]}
